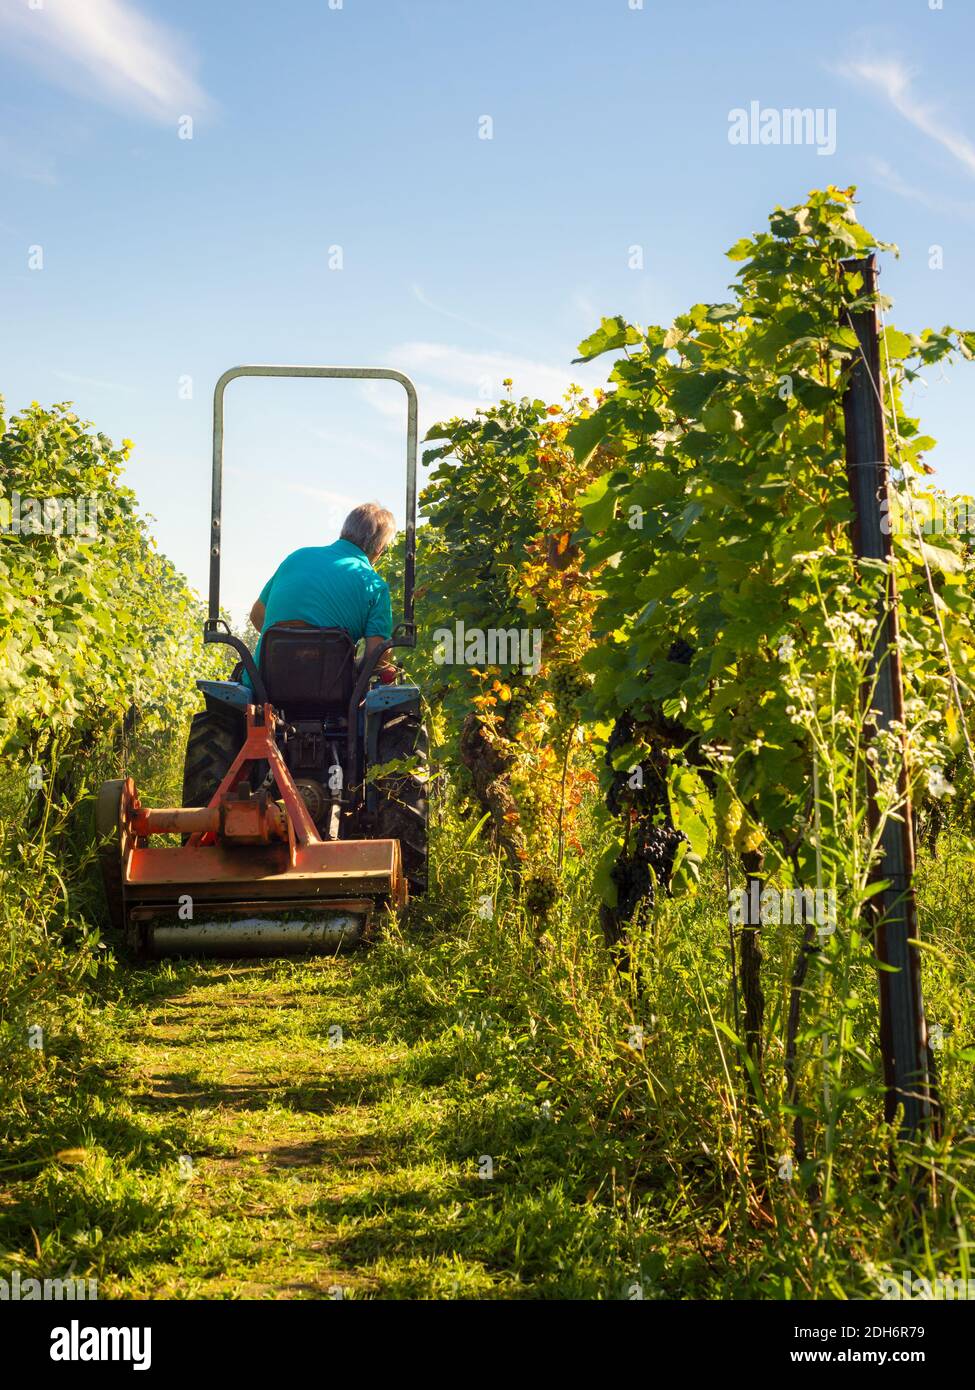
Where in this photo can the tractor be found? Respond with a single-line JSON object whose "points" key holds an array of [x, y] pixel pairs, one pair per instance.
{"points": [[304, 814]]}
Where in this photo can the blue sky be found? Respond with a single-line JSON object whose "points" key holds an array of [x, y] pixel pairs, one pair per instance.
{"points": [[464, 260]]}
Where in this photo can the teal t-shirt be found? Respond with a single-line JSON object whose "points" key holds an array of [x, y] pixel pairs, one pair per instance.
{"points": [[328, 586]]}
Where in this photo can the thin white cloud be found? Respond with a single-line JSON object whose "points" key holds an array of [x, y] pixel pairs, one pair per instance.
{"points": [[323, 494], [483, 372], [889, 177], [350, 442], [453, 381], [20, 163], [95, 383], [422, 298], [583, 305], [893, 79], [109, 50], [335, 506], [435, 404]]}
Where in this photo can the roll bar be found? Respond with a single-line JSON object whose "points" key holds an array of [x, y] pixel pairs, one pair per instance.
{"points": [[216, 505]]}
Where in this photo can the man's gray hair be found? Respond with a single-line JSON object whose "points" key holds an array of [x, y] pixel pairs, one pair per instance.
{"points": [[370, 527]]}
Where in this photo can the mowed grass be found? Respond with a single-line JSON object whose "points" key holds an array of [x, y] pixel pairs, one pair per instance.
{"points": [[269, 1129]]}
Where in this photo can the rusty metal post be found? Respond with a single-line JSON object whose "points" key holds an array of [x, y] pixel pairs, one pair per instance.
{"points": [[903, 1031]]}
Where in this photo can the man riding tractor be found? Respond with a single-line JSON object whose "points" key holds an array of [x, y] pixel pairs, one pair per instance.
{"points": [[335, 586]]}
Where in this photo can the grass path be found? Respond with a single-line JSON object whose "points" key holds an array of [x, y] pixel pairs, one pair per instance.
{"points": [[443, 1115], [311, 1169]]}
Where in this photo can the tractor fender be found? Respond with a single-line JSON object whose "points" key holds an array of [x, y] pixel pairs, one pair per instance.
{"points": [[226, 697], [380, 702]]}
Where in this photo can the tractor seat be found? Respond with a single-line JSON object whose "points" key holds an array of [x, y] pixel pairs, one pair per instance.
{"points": [[309, 672]]}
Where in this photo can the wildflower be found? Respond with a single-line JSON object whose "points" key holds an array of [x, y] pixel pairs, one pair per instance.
{"points": [[938, 784], [844, 643]]}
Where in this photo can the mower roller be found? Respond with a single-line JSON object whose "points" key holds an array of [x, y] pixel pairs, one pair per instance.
{"points": [[291, 836]]}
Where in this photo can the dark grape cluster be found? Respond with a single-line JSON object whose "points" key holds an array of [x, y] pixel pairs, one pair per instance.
{"points": [[680, 652], [658, 848], [641, 787], [653, 840], [638, 874], [633, 883]]}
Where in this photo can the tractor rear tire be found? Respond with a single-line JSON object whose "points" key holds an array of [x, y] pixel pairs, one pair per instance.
{"points": [[401, 813], [212, 746]]}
